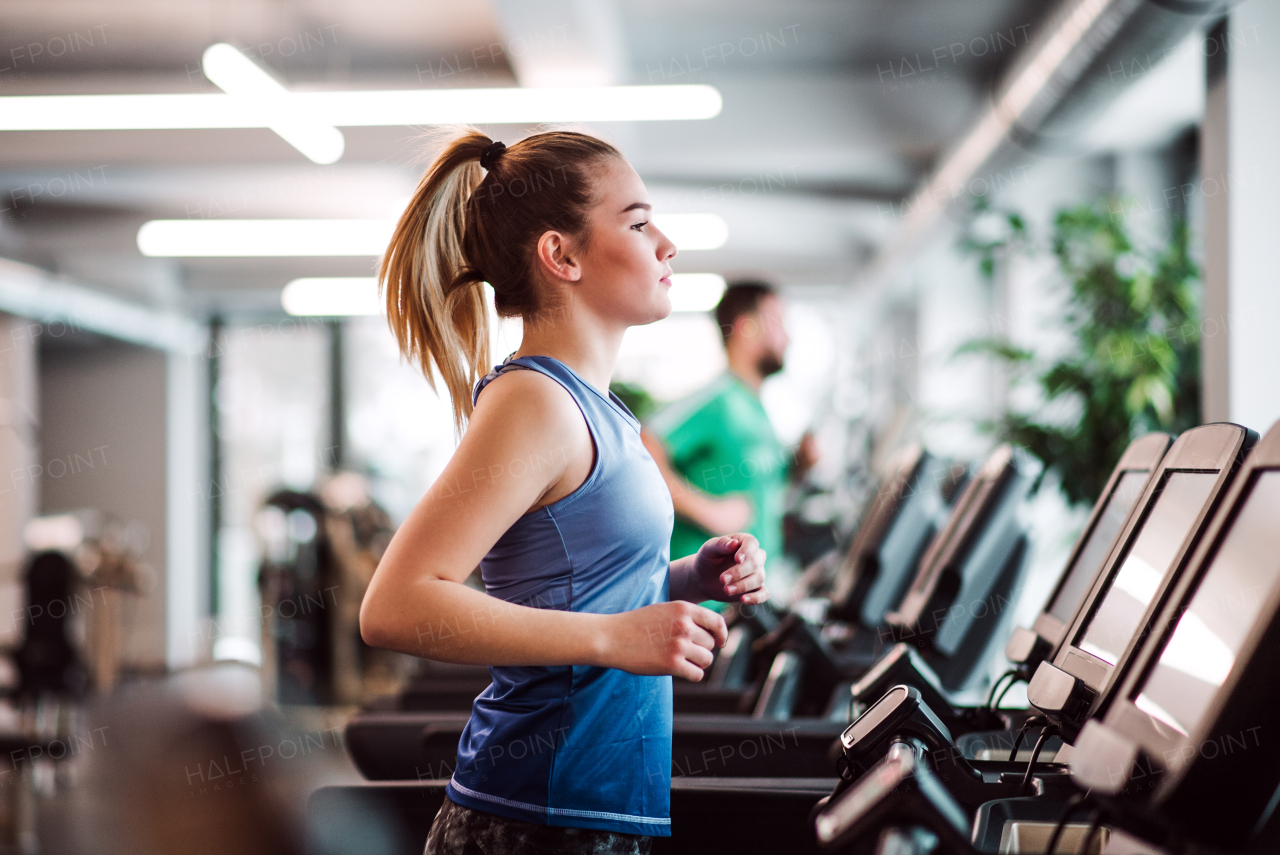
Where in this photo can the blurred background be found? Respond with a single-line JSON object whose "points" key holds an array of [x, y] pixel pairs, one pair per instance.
{"points": [[207, 433]]}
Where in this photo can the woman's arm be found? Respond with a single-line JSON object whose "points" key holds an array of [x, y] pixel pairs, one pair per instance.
{"points": [[417, 603]]}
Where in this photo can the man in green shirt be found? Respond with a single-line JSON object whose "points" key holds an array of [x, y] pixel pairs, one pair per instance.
{"points": [[723, 463]]}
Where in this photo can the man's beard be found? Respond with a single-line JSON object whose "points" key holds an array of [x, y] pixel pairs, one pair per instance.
{"points": [[768, 364]]}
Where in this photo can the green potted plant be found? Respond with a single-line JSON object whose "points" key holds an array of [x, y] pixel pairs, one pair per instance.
{"points": [[1134, 364]]}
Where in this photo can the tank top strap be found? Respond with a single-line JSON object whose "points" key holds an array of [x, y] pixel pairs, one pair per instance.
{"points": [[508, 364], [589, 399]]}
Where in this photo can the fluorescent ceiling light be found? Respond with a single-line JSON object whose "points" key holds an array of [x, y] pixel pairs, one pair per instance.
{"points": [[332, 295], [320, 238], [694, 231], [264, 238], [240, 77], [695, 292], [361, 108]]}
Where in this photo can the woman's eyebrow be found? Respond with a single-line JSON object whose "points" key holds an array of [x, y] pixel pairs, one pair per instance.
{"points": [[644, 206]]}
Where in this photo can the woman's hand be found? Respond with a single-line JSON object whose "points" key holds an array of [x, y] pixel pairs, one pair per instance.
{"points": [[666, 638], [730, 568]]}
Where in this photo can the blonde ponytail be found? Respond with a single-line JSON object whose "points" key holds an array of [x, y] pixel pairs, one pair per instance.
{"points": [[435, 298], [466, 226]]}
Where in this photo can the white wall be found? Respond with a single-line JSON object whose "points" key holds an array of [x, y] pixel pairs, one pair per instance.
{"points": [[1253, 287], [19, 414], [186, 506], [103, 412]]}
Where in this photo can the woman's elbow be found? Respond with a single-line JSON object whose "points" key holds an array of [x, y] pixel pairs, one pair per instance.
{"points": [[374, 625]]}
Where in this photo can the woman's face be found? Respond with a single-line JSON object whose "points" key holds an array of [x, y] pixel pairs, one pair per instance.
{"points": [[625, 263]]}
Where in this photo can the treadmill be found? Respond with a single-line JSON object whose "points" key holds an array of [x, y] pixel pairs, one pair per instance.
{"points": [[979, 550], [1170, 519], [1183, 752], [1027, 648], [955, 607], [1177, 760], [908, 509], [1123, 603]]}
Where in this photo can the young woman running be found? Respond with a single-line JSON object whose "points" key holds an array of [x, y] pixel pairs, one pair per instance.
{"points": [[551, 492]]}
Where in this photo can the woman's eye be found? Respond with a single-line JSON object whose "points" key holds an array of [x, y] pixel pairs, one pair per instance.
{"points": [[638, 226]]}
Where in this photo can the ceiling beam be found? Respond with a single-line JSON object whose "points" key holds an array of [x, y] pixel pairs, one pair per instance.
{"points": [[33, 293]]}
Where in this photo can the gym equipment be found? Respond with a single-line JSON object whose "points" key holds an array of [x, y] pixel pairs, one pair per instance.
{"points": [[892, 537], [1124, 600], [742, 815], [298, 575], [48, 661], [1182, 753], [974, 564], [953, 610], [415, 746], [1027, 648], [1170, 764], [1171, 514], [900, 522]]}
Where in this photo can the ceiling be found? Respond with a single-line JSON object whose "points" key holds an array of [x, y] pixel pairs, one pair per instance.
{"points": [[833, 112]]}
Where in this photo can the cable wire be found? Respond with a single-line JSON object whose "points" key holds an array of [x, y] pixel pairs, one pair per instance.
{"points": [[1012, 683], [1035, 755], [1031, 721], [991, 703], [1094, 825], [1073, 804]]}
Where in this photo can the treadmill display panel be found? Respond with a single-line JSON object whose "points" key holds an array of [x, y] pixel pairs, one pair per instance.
{"points": [[1089, 560], [1116, 619], [1202, 649]]}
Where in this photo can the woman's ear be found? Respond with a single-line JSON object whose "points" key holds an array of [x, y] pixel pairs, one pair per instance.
{"points": [[556, 257]]}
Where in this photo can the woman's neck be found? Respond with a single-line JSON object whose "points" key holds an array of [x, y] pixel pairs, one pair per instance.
{"points": [[586, 344]]}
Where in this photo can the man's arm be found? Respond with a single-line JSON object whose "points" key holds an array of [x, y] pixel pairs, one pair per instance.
{"points": [[803, 458], [717, 515]]}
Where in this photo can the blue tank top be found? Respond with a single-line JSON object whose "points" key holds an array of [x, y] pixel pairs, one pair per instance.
{"points": [[578, 746]]}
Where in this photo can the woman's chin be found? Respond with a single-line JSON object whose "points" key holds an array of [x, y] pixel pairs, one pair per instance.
{"points": [[658, 309], [662, 309]]}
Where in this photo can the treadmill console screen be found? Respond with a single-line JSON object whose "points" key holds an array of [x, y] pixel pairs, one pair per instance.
{"points": [[1200, 652], [1116, 510], [1116, 619]]}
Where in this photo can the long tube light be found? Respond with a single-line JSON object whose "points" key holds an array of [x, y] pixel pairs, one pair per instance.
{"points": [[348, 296], [320, 238], [332, 295], [240, 77], [361, 108]]}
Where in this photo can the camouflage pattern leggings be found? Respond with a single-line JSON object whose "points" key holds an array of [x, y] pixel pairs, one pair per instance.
{"points": [[459, 830]]}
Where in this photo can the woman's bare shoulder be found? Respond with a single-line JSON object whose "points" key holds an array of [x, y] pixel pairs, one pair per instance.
{"points": [[528, 403]]}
